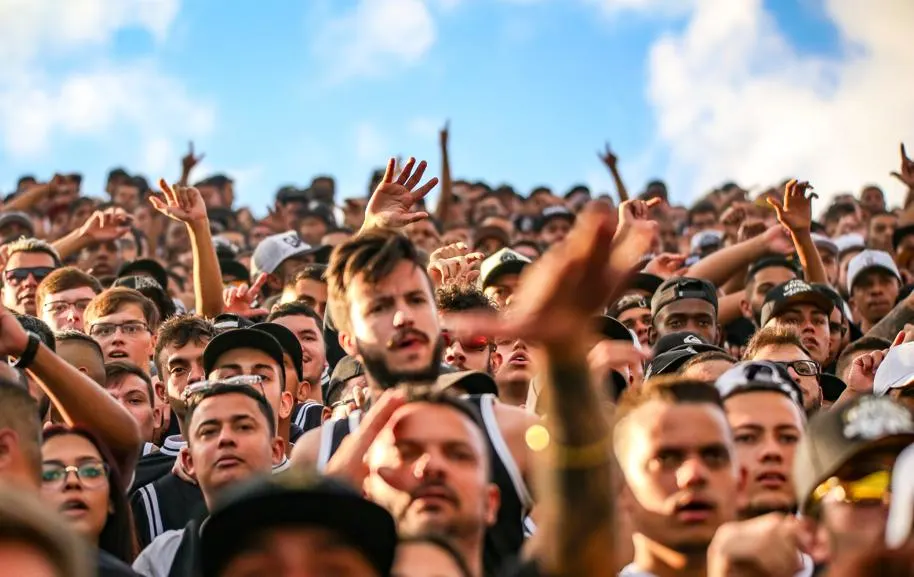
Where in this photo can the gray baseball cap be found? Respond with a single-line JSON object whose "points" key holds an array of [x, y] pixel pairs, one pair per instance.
{"points": [[274, 249]]}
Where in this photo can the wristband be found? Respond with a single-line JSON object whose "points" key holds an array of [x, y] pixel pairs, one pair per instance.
{"points": [[28, 355]]}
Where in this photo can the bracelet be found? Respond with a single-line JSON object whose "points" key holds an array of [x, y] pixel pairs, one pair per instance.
{"points": [[569, 456], [28, 355]]}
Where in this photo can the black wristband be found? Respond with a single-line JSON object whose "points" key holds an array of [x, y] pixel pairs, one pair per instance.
{"points": [[28, 355]]}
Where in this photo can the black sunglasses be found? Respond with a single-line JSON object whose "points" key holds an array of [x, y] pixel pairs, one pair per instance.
{"points": [[17, 275]]}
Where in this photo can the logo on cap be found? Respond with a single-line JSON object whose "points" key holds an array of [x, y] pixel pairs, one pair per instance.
{"points": [[874, 417], [795, 286], [692, 340], [508, 257], [292, 240]]}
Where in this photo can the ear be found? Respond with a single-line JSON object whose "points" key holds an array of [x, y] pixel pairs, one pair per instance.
{"points": [[278, 449], [652, 335], [159, 388], [9, 441], [286, 402], [348, 343], [326, 413], [304, 391], [745, 309], [493, 502], [496, 360], [187, 462]]}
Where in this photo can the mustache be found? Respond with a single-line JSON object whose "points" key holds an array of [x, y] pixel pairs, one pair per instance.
{"points": [[402, 335], [436, 488]]}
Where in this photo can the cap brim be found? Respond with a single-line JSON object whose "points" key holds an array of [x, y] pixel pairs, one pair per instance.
{"points": [[287, 340], [813, 297], [155, 270], [501, 269], [353, 518], [240, 338], [647, 282], [472, 382]]}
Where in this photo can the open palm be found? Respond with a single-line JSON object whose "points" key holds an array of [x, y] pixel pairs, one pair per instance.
{"points": [[796, 211], [181, 203], [391, 203]]}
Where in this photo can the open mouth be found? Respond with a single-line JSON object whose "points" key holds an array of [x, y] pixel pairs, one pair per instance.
{"points": [[694, 511], [74, 507], [408, 340], [118, 355], [519, 359]]}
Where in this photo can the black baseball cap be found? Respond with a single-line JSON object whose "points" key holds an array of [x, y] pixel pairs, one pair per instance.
{"points": [[553, 212], [228, 321], [750, 376], [231, 267], [793, 292], [832, 294], [836, 436], [673, 350], [290, 193], [612, 329], [628, 302], [247, 338], [645, 281], [294, 499], [317, 209], [504, 261], [677, 288], [288, 342], [145, 267], [151, 289], [347, 368], [471, 382]]}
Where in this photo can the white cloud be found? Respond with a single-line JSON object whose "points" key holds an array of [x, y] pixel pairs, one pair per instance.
{"points": [[733, 99], [374, 36]]}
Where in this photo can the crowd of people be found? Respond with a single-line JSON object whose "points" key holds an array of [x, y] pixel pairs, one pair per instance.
{"points": [[507, 385]]}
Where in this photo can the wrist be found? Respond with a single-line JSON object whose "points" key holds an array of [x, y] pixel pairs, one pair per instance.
{"points": [[198, 225]]}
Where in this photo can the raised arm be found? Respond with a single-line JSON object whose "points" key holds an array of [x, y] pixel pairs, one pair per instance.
{"points": [[80, 400], [188, 162], [102, 226], [391, 203], [185, 204], [446, 196], [720, 266], [612, 163], [796, 214]]}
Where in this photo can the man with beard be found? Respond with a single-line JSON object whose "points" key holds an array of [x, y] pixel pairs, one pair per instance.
{"points": [[796, 306], [676, 453], [764, 409], [429, 467], [476, 353], [381, 300], [28, 262], [873, 283]]}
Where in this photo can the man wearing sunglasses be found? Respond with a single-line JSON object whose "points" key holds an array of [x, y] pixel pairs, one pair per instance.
{"points": [[30, 260], [842, 474], [474, 353]]}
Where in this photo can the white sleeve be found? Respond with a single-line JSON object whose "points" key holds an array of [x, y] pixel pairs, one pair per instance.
{"points": [[156, 559]]}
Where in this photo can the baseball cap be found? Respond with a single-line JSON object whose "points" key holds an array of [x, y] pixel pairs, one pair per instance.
{"points": [[490, 231], [822, 242], [836, 300], [676, 288], [749, 376], [673, 350], [553, 212], [645, 281], [612, 329], [276, 248], [228, 321], [246, 338], [706, 240], [316, 209], [836, 436], [867, 260], [287, 341], [145, 267], [525, 224], [231, 267], [347, 368], [792, 292], [896, 370], [472, 382], [290, 193], [505, 261], [149, 288], [850, 241], [296, 498], [628, 302], [17, 217]]}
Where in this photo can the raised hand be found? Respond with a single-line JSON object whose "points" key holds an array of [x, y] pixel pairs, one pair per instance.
{"points": [[182, 203], [796, 211], [454, 264], [608, 157], [189, 161], [906, 176], [863, 372], [239, 300], [444, 133], [778, 240], [390, 205], [634, 209], [106, 225], [750, 228], [665, 265]]}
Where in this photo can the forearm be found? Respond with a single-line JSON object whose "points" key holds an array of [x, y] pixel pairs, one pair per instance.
{"points": [[207, 275], [728, 309], [71, 244], [444, 201], [810, 259], [28, 199], [81, 401], [576, 503], [727, 262], [620, 186], [889, 327]]}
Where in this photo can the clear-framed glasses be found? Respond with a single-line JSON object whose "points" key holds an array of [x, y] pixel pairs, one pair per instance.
{"points": [[128, 329], [60, 307], [804, 368], [93, 475]]}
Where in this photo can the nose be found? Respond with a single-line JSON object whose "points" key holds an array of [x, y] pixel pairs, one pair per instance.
{"points": [[72, 315], [196, 374], [771, 450], [30, 281], [428, 466], [71, 480], [519, 345], [403, 318], [692, 474], [455, 355]]}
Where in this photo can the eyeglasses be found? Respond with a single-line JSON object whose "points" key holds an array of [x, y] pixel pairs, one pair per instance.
{"points": [[241, 381], [60, 307], [803, 368], [16, 276], [475, 343], [90, 475], [875, 487], [128, 329]]}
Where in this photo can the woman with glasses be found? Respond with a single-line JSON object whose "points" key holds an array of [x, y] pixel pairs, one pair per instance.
{"points": [[79, 479]]}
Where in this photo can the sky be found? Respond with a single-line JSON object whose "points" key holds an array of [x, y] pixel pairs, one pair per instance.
{"points": [[695, 92]]}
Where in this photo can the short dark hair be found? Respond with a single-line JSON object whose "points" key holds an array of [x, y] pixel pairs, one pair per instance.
{"points": [[40, 328], [293, 309], [315, 272], [116, 371], [454, 297], [111, 300], [773, 336], [74, 335], [374, 255], [177, 332], [700, 207], [864, 344], [706, 357], [219, 389]]}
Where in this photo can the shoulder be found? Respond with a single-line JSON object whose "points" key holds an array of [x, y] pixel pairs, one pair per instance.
{"points": [[514, 420], [306, 449], [111, 566], [157, 558]]}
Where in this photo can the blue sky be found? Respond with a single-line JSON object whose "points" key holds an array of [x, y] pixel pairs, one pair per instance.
{"points": [[693, 91]]}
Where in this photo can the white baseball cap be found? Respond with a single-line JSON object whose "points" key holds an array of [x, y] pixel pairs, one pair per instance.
{"points": [[823, 242], [867, 260], [896, 370], [850, 241], [274, 249], [706, 239]]}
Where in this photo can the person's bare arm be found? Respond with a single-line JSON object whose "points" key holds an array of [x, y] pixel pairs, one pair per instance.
{"points": [[391, 203], [728, 309], [188, 162], [102, 226], [796, 214], [185, 204], [906, 176], [612, 163], [442, 211], [720, 266], [80, 400], [892, 323]]}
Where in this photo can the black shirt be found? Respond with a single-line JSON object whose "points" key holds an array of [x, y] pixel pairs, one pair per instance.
{"points": [[110, 566], [165, 504]]}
